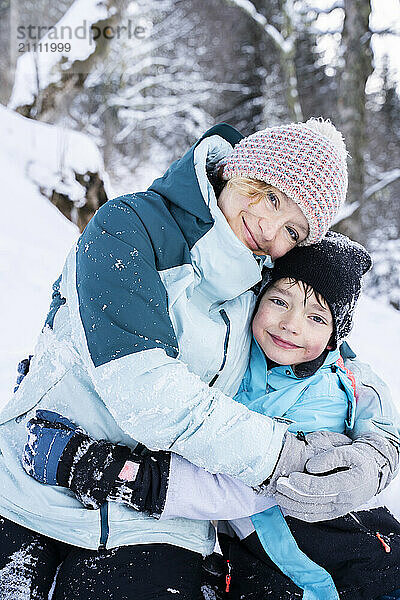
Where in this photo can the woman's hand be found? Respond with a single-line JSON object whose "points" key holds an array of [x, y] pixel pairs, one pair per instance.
{"points": [[339, 480], [58, 452]]}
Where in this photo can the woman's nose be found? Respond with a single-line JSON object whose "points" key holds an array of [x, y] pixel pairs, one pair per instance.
{"points": [[269, 227]]}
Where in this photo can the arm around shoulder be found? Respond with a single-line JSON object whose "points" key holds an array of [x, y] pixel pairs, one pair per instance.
{"points": [[119, 308]]}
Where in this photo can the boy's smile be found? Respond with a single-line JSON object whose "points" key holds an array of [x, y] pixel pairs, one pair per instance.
{"points": [[283, 343], [292, 326]]}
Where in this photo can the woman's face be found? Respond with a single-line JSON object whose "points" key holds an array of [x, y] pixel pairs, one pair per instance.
{"points": [[272, 225]]}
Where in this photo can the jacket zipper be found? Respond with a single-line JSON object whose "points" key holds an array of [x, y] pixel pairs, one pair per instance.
{"points": [[377, 534], [104, 527], [371, 387], [227, 322], [228, 576]]}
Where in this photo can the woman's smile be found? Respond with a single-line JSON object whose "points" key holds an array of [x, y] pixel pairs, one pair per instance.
{"points": [[250, 237]]}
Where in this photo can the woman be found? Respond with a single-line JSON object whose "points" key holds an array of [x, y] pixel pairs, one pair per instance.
{"points": [[147, 340]]}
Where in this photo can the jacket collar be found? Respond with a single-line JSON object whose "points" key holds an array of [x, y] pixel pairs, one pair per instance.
{"points": [[225, 266], [307, 369], [180, 184]]}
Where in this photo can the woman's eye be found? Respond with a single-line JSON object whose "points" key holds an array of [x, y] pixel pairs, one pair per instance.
{"points": [[273, 199], [293, 234]]}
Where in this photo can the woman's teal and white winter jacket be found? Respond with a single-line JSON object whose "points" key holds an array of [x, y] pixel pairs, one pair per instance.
{"points": [[152, 307]]}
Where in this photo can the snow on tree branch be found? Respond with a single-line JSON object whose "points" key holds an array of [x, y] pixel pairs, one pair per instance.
{"points": [[284, 45], [384, 180], [345, 212], [327, 10], [38, 70], [317, 31]]}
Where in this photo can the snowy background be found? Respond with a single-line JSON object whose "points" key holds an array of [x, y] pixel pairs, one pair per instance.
{"points": [[86, 134]]}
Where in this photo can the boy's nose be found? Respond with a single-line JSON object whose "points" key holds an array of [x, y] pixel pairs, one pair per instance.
{"points": [[290, 323]]}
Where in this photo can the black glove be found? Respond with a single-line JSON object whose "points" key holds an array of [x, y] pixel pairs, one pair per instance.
{"points": [[147, 491], [58, 452]]}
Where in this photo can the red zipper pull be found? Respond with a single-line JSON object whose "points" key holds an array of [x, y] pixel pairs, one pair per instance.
{"points": [[228, 576], [382, 541]]}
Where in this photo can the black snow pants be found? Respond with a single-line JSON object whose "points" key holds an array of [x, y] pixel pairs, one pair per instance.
{"points": [[363, 557], [29, 563]]}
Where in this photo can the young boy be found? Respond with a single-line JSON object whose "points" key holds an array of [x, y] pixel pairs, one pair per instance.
{"points": [[304, 312], [295, 371]]}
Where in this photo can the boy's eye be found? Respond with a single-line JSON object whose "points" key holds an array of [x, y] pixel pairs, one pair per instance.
{"points": [[293, 234], [318, 319], [278, 301], [273, 199]]}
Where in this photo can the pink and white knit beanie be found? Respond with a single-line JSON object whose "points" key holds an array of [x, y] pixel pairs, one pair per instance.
{"points": [[306, 161]]}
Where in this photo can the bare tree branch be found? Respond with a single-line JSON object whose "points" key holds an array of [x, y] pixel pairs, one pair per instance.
{"points": [[385, 31]]}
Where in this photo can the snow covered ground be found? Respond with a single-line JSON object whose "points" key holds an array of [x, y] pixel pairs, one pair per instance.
{"points": [[35, 238]]}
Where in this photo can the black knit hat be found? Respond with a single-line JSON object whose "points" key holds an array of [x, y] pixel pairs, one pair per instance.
{"points": [[333, 267]]}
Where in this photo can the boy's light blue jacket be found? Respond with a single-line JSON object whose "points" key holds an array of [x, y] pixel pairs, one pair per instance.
{"points": [[322, 400]]}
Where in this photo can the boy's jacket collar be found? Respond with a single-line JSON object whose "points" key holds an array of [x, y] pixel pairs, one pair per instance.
{"points": [[307, 369], [303, 370]]}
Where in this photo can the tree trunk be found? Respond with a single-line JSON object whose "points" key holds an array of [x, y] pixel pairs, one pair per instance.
{"points": [[357, 68], [288, 62], [81, 214]]}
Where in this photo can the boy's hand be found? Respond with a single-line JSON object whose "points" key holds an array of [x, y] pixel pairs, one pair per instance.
{"points": [[297, 450], [58, 452], [340, 479]]}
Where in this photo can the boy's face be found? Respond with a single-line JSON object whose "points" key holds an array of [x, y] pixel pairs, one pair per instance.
{"points": [[290, 328]]}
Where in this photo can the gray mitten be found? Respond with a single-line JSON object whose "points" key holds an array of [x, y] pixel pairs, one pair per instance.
{"points": [[297, 450], [339, 480]]}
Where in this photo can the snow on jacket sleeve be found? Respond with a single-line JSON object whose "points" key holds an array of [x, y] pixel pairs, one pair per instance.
{"points": [[375, 410], [119, 311]]}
